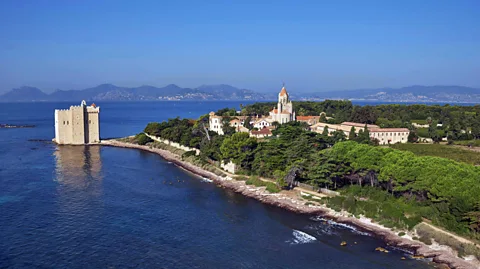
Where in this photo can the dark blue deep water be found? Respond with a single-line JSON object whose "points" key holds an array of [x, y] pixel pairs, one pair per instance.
{"points": [[103, 207]]}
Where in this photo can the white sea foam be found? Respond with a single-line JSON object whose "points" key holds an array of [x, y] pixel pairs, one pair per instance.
{"points": [[301, 238], [342, 225], [204, 179]]}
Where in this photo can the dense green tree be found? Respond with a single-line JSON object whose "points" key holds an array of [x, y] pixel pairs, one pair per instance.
{"points": [[473, 219], [226, 128], [412, 137], [337, 136], [476, 127], [433, 132], [142, 139], [323, 117], [227, 112], [352, 135], [239, 148], [325, 132], [247, 123]]}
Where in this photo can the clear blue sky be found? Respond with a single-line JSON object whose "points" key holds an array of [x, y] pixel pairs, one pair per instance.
{"points": [[311, 45]]}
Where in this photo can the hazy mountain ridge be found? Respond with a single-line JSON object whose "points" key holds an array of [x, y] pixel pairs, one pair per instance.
{"points": [[109, 92], [416, 93]]}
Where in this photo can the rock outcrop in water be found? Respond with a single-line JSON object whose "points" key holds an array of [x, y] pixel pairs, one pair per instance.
{"points": [[16, 126]]}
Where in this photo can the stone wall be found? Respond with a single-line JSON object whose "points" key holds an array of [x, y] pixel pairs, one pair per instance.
{"points": [[329, 192], [173, 144], [229, 167]]}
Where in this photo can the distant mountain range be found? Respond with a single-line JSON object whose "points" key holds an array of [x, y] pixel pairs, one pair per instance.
{"points": [[417, 93], [109, 92]]}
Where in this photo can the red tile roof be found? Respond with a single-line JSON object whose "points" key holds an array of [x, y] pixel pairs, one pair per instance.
{"points": [[357, 124], [307, 117], [264, 131]]}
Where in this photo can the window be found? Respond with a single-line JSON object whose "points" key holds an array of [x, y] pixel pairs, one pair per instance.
{"points": [[89, 121], [63, 122]]}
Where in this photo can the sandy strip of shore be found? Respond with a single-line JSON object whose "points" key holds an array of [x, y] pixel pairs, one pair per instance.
{"points": [[438, 255]]}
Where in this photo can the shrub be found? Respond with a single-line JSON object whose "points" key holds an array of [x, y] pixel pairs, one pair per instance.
{"points": [[427, 234], [188, 154], [401, 233], [142, 139], [272, 187]]}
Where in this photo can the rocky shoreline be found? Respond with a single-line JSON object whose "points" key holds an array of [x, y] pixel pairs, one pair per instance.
{"points": [[439, 255]]}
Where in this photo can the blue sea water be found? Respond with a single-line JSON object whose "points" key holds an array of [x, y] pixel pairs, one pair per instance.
{"points": [[104, 207]]}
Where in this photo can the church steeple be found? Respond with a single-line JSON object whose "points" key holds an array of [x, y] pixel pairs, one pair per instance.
{"points": [[283, 97], [283, 91]]}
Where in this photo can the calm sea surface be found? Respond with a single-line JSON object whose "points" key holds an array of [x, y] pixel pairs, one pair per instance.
{"points": [[103, 207]]}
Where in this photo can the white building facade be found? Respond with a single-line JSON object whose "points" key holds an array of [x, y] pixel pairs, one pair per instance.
{"points": [[284, 112]]}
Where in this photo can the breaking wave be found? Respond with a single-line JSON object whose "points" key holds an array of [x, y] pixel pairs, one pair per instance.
{"points": [[301, 238], [204, 179], [341, 225]]}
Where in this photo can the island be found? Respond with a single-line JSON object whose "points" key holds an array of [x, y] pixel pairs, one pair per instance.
{"points": [[418, 187]]}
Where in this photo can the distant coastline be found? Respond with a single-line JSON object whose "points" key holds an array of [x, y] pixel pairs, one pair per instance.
{"points": [[225, 92], [439, 255]]}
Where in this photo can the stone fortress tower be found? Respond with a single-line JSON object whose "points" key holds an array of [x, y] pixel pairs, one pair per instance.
{"points": [[78, 125]]}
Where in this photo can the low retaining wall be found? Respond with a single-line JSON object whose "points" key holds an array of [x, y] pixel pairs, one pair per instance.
{"points": [[329, 192], [229, 167], [313, 188], [173, 144]]}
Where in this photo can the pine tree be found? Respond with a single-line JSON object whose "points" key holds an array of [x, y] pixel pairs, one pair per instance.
{"points": [[323, 117], [325, 131], [366, 135], [352, 135]]}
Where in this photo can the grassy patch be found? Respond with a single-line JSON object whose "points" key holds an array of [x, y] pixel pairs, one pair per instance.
{"points": [[312, 198], [420, 121], [378, 205], [160, 145], [423, 132], [240, 178], [427, 234], [443, 151], [271, 187], [473, 143]]}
